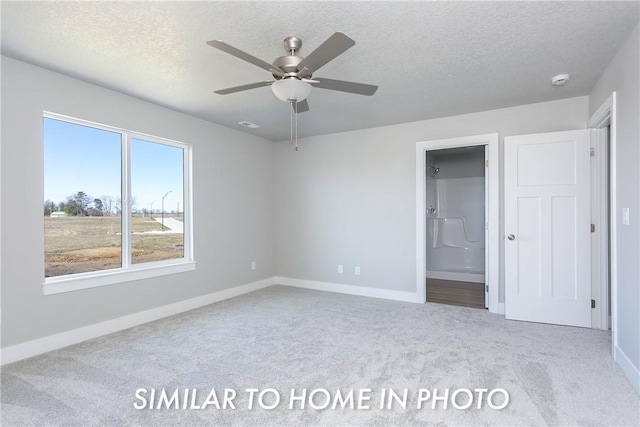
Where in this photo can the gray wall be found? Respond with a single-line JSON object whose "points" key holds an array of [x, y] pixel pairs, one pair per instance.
{"points": [[350, 198], [623, 76], [454, 163], [233, 204]]}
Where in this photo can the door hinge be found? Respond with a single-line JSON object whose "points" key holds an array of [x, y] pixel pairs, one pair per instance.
{"points": [[592, 151], [593, 228], [486, 163], [593, 303], [486, 288]]}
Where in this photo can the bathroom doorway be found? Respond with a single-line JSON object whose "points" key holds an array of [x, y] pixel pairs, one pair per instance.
{"points": [[456, 222], [493, 288]]}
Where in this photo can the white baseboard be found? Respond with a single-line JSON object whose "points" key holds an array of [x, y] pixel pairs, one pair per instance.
{"points": [[349, 289], [38, 346], [629, 369], [53, 342]]}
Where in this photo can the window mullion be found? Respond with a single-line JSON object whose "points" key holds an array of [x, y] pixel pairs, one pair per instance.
{"points": [[126, 200], [187, 203]]}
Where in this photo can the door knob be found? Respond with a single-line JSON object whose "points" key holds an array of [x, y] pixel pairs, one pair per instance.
{"points": [[511, 237]]}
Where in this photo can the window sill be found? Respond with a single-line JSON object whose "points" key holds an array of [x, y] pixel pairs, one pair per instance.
{"points": [[57, 285]]}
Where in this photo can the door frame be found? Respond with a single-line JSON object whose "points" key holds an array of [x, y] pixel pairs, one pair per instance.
{"points": [[600, 235], [492, 252], [605, 116]]}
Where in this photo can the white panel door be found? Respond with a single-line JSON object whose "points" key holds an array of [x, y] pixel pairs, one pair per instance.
{"points": [[547, 228]]}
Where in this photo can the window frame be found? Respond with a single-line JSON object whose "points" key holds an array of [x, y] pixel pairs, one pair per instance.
{"points": [[129, 271]]}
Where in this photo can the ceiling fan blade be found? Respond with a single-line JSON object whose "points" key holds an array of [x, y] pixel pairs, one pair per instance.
{"points": [[243, 87], [219, 44], [342, 86], [301, 107], [327, 51]]}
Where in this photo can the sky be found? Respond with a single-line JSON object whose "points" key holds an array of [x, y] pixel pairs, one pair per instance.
{"points": [[80, 158]]}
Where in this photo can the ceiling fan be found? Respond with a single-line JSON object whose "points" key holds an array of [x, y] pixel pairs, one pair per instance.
{"points": [[293, 73]]}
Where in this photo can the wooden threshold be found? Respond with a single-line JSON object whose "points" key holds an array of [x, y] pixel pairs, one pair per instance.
{"points": [[466, 294]]}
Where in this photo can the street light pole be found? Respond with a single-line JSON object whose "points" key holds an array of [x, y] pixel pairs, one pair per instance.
{"points": [[151, 210], [165, 195]]}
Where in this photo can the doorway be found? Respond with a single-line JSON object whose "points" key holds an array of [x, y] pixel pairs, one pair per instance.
{"points": [[559, 265], [603, 123], [491, 219], [456, 196]]}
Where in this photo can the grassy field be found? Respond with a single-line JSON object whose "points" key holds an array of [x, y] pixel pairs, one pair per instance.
{"points": [[81, 244]]}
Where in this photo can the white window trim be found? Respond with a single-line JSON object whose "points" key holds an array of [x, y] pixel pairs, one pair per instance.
{"points": [[75, 282], [128, 271]]}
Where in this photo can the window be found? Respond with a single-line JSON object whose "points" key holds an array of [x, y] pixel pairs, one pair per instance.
{"points": [[117, 205], [157, 220]]}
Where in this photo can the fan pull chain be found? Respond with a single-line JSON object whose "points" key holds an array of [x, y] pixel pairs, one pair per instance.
{"points": [[296, 125], [293, 133], [291, 123]]}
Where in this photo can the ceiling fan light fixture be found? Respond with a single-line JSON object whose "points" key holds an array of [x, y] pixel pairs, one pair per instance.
{"points": [[291, 89]]}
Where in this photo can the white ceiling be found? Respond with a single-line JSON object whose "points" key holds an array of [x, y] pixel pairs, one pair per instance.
{"points": [[430, 59]]}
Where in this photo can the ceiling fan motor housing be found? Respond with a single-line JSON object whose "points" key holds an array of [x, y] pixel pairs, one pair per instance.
{"points": [[289, 66]]}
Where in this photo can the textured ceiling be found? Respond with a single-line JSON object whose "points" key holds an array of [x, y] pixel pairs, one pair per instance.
{"points": [[430, 59]]}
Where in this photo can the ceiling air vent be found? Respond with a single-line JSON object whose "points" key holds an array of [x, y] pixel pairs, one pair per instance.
{"points": [[249, 125]]}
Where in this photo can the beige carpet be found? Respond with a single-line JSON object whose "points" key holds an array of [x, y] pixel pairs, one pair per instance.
{"points": [[284, 338]]}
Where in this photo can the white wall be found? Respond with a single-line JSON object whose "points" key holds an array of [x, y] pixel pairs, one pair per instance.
{"points": [[350, 198], [623, 76], [233, 204]]}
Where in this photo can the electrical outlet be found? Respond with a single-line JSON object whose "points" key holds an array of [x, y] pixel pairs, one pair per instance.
{"points": [[340, 269], [357, 270], [253, 265]]}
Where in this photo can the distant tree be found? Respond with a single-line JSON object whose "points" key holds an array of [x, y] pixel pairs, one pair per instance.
{"points": [[62, 206], [49, 207], [96, 209], [107, 205], [98, 205], [71, 207], [83, 200], [78, 204]]}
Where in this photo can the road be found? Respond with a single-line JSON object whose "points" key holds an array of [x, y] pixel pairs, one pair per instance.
{"points": [[173, 225]]}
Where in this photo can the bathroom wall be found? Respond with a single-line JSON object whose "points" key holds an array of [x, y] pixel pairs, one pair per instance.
{"points": [[456, 230], [463, 162], [431, 186], [463, 198], [458, 188]]}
